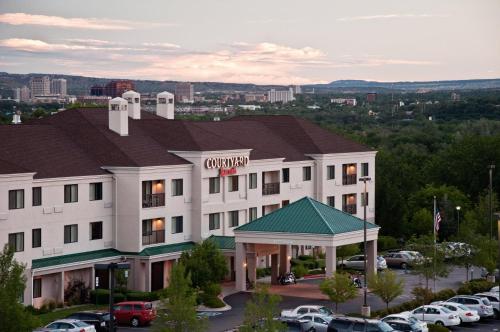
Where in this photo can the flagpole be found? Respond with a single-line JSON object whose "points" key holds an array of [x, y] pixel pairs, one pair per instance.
{"points": [[435, 224]]}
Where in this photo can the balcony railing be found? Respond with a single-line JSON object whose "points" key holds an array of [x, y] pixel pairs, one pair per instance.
{"points": [[271, 188], [153, 200], [349, 208], [349, 179], [153, 237]]}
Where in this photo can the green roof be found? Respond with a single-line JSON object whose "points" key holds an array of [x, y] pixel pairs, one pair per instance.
{"points": [[167, 249], [223, 242], [306, 216], [74, 258]]}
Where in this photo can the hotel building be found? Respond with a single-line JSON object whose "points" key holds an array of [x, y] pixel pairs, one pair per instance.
{"points": [[87, 186]]}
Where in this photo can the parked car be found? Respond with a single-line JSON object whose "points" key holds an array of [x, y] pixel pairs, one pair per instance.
{"points": [[69, 325], [357, 263], [398, 259], [135, 313], [494, 300], [405, 316], [99, 319], [403, 326], [465, 314], [306, 309], [494, 289], [480, 304], [352, 324], [320, 322], [417, 256], [436, 315], [298, 325]]}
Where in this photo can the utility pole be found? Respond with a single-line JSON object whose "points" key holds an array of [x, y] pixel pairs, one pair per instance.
{"points": [[491, 168]]}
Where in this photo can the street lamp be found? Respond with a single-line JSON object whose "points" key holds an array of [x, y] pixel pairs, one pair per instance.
{"points": [[365, 310], [458, 219]]}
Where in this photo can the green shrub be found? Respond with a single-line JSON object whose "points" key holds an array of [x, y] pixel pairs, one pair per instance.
{"points": [[464, 289], [142, 296], [262, 272], [422, 295], [386, 243], [211, 301], [305, 257], [480, 285], [102, 296], [316, 271], [444, 294], [437, 328], [300, 270], [212, 289]]}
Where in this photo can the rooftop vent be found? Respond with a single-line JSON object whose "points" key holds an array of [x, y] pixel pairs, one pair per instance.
{"points": [[165, 105], [118, 117], [134, 104]]}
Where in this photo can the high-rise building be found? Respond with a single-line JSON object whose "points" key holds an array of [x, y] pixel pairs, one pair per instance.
{"points": [[283, 96], [25, 94], [117, 88], [40, 86], [184, 92], [97, 90], [16, 94], [297, 89], [58, 86]]}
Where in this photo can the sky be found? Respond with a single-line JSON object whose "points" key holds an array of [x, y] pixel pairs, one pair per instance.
{"points": [[259, 41]]}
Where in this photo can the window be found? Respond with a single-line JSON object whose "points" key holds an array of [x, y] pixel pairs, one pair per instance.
{"points": [[364, 199], [37, 288], [177, 187], [233, 218], [96, 230], [177, 224], [16, 241], [330, 172], [306, 173], [349, 203], [70, 233], [95, 190], [349, 174], [70, 193], [153, 231], [214, 185], [37, 196], [364, 169], [286, 175], [213, 221], [233, 183], [252, 183], [16, 199], [252, 213], [285, 202], [153, 193], [36, 238], [330, 200]]}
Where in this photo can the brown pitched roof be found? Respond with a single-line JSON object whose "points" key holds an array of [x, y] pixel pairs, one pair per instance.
{"points": [[78, 142]]}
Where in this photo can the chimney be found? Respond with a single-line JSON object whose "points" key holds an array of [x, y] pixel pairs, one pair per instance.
{"points": [[165, 105], [118, 117], [134, 104]]}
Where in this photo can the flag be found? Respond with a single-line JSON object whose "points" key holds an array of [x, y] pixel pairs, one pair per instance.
{"points": [[437, 221]]}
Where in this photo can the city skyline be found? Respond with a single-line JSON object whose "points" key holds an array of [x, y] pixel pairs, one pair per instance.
{"points": [[268, 43]]}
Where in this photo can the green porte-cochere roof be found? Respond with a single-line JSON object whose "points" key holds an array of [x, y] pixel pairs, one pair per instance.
{"points": [[223, 242], [306, 216]]}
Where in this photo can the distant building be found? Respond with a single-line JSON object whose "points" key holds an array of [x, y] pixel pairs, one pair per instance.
{"points": [[283, 96], [116, 88], [16, 94], [97, 90], [255, 97], [25, 94], [93, 100], [297, 89], [455, 96], [184, 92], [58, 86], [250, 107], [40, 86], [344, 101], [371, 97]]}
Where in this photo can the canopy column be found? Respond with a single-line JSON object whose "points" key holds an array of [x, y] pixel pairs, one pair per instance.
{"points": [[331, 260], [240, 267]]}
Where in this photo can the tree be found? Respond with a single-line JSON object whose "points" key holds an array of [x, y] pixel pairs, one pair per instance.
{"points": [[260, 312], [205, 263], [386, 285], [12, 284], [177, 310], [347, 250], [339, 289], [432, 265], [422, 223]]}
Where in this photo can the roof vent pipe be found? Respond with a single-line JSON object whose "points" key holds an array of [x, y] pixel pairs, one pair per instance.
{"points": [[134, 104], [165, 105], [117, 116]]}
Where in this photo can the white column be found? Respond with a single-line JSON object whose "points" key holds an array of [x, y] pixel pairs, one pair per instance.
{"points": [[240, 268], [28, 291], [148, 276], [285, 252], [371, 253], [61, 289], [331, 260]]}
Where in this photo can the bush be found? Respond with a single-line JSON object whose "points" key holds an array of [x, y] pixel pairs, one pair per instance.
{"points": [[387, 243], [475, 286], [422, 295], [300, 270], [102, 296], [316, 271], [464, 289], [444, 294], [50, 304], [77, 293], [212, 289], [211, 301], [305, 257], [142, 296], [262, 272], [436, 328]]}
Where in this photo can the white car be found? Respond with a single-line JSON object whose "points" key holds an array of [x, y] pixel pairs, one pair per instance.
{"points": [[494, 300], [306, 309], [357, 263], [436, 315], [69, 325], [319, 322], [465, 314], [494, 289], [481, 304], [406, 317]]}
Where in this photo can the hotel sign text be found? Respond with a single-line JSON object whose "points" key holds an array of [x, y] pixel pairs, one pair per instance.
{"points": [[226, 165]]}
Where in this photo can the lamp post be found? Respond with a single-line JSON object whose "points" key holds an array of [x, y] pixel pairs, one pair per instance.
{"points": [[491, 168], [458, 219], [365, 310]]}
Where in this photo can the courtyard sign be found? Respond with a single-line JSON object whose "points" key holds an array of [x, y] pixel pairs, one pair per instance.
{"points": [[226, 165]]}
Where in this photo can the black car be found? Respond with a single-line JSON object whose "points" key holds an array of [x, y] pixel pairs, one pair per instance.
{"points": [[100, 319]]}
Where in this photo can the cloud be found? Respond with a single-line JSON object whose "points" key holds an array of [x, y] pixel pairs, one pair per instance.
{"points": [[76, 23], [388, 16], [161, 45]]}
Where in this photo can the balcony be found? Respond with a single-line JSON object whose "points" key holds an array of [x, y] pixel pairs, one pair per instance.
{"points": [[153, 237], [153, 200], [271, 188], [349, 208], [349, 179]]}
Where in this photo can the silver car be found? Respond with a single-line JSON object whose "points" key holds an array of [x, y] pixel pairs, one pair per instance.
{"points": [[319, 322], [481, 304], [357, 263]]}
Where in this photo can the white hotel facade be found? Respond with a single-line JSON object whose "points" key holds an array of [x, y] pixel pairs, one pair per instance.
{"points": [[90, 186]]}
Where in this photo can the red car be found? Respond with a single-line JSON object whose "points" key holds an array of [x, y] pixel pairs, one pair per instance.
{"points": [[134, 313]]}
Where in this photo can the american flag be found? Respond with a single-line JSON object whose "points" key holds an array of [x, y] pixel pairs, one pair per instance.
{"points": [[437, 221]]}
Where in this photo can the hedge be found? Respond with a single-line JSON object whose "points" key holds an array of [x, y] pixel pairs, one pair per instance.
{"points": [[102, 296], [475, 286], [299, 270], [437, 328], [386, 243]]}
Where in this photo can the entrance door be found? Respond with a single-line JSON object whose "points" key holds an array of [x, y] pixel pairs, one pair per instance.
{"points": [[156, 276], [103, 276]]}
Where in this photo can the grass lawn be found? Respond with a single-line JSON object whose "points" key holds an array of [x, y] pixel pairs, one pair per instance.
{"points": [[62, 313]]}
